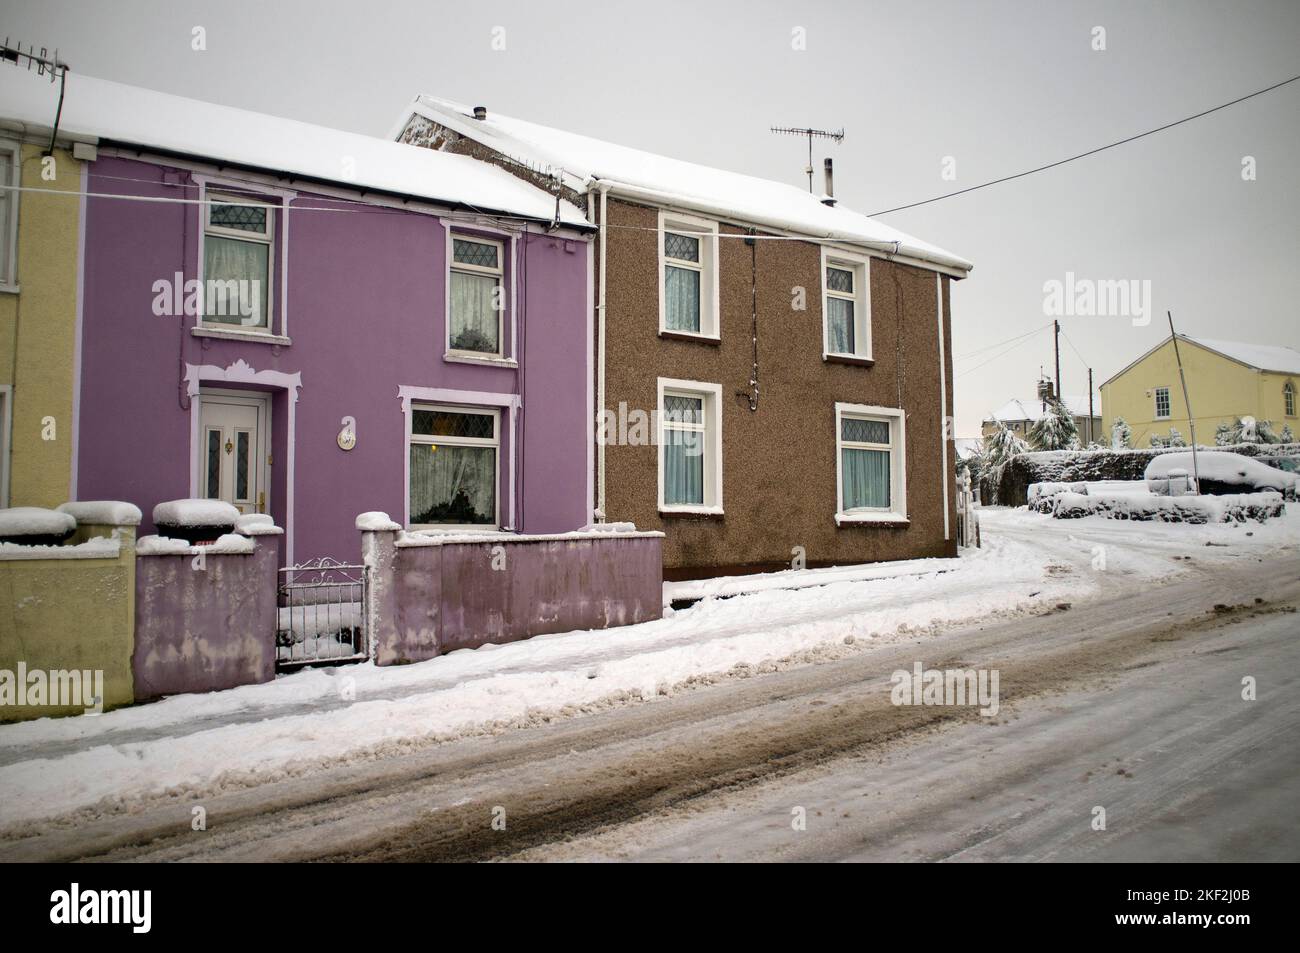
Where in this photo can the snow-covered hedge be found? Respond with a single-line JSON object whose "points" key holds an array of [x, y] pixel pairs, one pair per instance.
{"points": [[1042, 495], [1009, 484], [1235, 508]]}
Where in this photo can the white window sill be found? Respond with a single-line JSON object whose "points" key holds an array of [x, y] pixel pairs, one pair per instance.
{"points": [[469, 357], [672, 335], [879, 519], [835, 357], [9, 289], [690, 510], [234, 334]]}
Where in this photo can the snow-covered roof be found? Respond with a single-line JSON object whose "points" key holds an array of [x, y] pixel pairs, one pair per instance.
{"points": [[98, 109], [1036, 409], [633, 172], [1265, 357]]}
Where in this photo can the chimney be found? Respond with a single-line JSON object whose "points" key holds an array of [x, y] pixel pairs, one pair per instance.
{"points": [[480, 112], [829, 197], [1046, 390]]}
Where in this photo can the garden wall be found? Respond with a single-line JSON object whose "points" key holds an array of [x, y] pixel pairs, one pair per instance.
{"points": [[434, 593]]}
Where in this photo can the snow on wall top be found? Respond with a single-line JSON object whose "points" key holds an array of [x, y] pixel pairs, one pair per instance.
{"points": [[1265, 357], [674, 181], [103, 512], [101, 109], [1036, 410], [35, 521], [195, 513]]}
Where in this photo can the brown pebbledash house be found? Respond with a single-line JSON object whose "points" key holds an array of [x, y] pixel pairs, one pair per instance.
{"points": [[771, 373]]}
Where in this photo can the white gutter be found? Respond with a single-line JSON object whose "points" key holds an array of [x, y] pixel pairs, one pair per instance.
{"points": [[603, 188]]}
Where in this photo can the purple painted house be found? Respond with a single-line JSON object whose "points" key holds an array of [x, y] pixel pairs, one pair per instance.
{"points": [[313, 324]]}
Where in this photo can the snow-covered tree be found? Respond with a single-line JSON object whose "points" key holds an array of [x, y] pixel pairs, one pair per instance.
{"points": [[1286, 436], [1158, 441], [1056, 429], [1001, 445], [1223, 435], [1121, 434], [1265, 433], [1175, 438]]}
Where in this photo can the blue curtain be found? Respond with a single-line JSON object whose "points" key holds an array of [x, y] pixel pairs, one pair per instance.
{"points": [[683, 467], [839, 336], [681, 299], [865, 478]]}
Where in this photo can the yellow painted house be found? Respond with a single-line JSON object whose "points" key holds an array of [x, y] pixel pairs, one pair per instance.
{"points": [[39, 283], [1225, 380]]}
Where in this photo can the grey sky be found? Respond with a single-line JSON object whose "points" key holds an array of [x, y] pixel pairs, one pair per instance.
{"points": [[998, 86]]}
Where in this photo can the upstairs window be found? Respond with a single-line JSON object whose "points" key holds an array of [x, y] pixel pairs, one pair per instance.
{"points": [[1288, 399], [10, 166], [238, 242], [1162, 403], [687, 272], [847, 307], [477, 297]]}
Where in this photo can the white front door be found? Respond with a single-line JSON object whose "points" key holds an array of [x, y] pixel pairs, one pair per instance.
{"points": [[233, 448]]}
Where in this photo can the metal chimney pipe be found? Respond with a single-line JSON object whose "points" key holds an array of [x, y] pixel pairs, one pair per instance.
{"points": [[829, 197]]}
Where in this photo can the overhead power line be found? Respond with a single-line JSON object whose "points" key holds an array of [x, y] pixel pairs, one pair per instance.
{"points": [[1090, 152]]}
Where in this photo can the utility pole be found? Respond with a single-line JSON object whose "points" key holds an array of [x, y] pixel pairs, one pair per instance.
{"points": [[1056, 346], [1092, 438], [1191, 421]]}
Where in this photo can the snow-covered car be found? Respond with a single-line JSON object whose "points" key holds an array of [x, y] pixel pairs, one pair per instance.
{"points": [[1220, 473]]}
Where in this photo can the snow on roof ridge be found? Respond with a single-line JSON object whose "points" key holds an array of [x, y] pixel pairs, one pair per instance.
{"points": [[1019, 408], [1264, 357], [96, 108], [587, 158]]}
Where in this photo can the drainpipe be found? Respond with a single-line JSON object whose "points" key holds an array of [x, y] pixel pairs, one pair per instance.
{"points": [[600, 360]]}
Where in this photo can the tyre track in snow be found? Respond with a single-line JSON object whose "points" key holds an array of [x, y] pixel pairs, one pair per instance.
{"points": [[580, 776]]}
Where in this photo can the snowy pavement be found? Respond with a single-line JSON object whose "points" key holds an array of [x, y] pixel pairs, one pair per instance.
{"points": [[315, 720]]}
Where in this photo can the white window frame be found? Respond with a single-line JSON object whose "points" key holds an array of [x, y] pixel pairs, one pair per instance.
{"points": [[896, 512], [1169, 404], [427, 440], [1288, 399], [457, 354], [706, 230], [860, 265], [9, 218], [217, 196], [711, 394]]}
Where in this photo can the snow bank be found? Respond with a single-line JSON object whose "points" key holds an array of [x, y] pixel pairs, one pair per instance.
{"points": [[1169, 509], [101, 547], [35, 521], [104, 512], [195, 513]]}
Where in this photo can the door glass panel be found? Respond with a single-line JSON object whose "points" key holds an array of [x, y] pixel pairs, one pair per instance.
{"points": [[241, 465], [214, 464]]}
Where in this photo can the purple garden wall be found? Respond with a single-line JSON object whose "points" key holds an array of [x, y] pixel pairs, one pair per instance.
{"points": [[203, 630], [366, 300], [435, 596]]}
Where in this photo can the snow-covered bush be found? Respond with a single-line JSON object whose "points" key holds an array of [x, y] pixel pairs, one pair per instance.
{"points": [[1176, 438], [1042, 496], [1121, 434], [1170, 509]]}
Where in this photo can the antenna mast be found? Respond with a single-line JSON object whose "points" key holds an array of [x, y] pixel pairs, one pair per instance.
{"points": [[811, 134]]}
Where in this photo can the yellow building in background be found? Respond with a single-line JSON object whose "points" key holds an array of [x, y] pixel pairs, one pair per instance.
{"points": [[1225, 380], [39, 250]]}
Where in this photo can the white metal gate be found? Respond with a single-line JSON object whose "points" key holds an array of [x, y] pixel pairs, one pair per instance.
{"points": [[322, 613]]}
